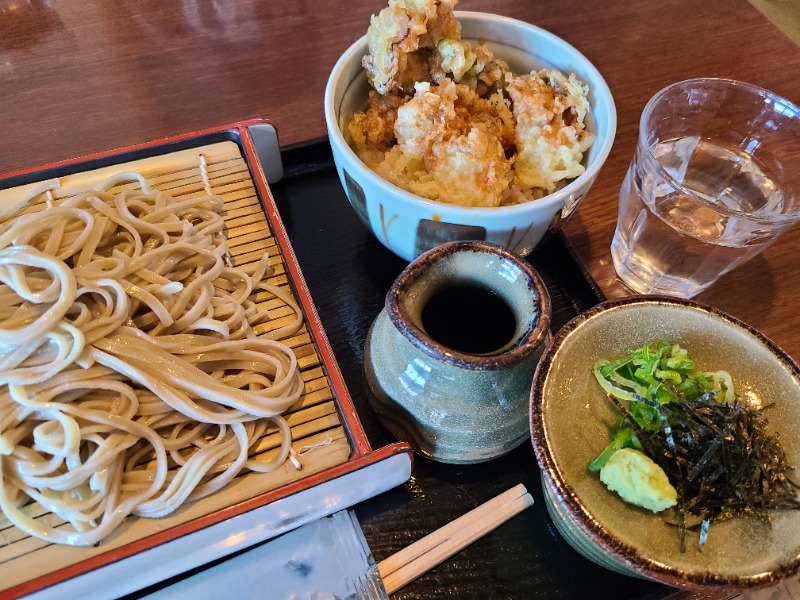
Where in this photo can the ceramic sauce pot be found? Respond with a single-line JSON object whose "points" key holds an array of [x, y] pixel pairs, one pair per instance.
{"points": [[450, 359]]}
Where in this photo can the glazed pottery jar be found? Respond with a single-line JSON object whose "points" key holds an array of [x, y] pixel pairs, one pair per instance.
{"points": [[450, 359]]}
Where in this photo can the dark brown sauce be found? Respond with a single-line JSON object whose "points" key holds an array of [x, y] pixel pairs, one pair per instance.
{"points": [[469, 318]]}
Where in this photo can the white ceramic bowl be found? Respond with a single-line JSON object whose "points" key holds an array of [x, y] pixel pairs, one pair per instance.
{"points": [[408, 224], [570, 421]]}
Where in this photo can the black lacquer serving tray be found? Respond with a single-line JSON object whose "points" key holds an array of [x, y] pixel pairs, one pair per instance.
{"points": [[348, 273]]}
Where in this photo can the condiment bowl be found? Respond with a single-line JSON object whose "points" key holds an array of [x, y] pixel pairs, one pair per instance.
{"points": [[570, 422], [408, 224]]}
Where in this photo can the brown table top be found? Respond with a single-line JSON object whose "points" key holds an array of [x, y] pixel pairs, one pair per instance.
{"points": [[82, 77]]}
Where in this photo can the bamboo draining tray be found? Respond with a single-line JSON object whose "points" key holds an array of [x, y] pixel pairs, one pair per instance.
{"points": [[326, 434]]}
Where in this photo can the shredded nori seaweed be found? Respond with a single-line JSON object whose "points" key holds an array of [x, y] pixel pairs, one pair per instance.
{"points": [[715, 450], [722, 461]]}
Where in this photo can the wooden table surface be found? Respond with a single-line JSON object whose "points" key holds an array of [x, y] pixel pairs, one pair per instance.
{"points": [[79, 77]]}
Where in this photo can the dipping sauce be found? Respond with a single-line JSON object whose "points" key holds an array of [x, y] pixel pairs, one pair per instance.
{"points": [[469, 318]]}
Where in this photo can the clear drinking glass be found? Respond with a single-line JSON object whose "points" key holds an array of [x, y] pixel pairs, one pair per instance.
{"points": [[714, 180]]}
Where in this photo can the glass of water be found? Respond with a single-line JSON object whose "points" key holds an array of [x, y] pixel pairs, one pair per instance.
{"points": [[714, 180]]}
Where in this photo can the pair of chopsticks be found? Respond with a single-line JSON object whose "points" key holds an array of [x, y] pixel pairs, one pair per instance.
{"points": [[421, 556]]}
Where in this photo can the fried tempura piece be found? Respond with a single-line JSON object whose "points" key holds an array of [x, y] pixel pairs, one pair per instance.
{"points": [[549, 109], [491, 114], [375, 127], [400, 39], [437, 111], [454, 142], [426, 118], [475, 66], [467, 169]]}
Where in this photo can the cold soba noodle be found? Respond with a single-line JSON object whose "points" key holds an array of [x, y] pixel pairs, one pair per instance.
{"points": [[131, 378]]}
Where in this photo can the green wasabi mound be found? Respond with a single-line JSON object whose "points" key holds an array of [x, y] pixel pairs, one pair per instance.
{"points": [[638, 480]]}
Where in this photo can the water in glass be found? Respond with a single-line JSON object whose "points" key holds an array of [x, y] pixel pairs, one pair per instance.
{"points": [[678, 236]]}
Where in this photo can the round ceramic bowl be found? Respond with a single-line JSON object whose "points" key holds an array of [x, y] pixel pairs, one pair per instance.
{"points": [[570, 421], [408, 224]]}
